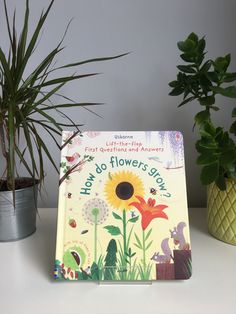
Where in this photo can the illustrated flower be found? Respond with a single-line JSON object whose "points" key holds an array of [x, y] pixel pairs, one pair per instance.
{"points": [[121, 189], [149, 210], [95, 211], [92, 134]]}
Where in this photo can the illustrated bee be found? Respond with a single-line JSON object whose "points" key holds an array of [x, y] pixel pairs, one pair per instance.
{"points": [[153, 191]]}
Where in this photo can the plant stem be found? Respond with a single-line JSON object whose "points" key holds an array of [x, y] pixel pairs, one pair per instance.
{"points": [[95, 237], [144, 253], [124, 237], [3, 142]]}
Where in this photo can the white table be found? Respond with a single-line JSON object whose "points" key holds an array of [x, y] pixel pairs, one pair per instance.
{"points": [[27, 285]]}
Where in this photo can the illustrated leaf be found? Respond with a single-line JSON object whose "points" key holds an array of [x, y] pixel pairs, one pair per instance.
{"points": [[134, 219], [95, 271], [138, 246], [113, 230], [148, 234], [149, 244], [138, 241], [116, 216]]}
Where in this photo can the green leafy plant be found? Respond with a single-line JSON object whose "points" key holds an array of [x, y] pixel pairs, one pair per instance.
{"points": [[28, 100], [115, 231], [110, 261], [202, 80]]}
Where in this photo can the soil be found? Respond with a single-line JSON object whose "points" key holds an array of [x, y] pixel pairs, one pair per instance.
{"points": [[20, 183]]}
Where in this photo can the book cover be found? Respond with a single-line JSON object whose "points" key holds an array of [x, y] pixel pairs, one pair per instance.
{"points": [[122, 212]]}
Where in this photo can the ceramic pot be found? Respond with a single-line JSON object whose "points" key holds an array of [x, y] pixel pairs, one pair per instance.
{"points": [[19, 222], [221, 212]]}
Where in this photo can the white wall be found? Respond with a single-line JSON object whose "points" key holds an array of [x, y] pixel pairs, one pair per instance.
{"points": [[134, 88]]}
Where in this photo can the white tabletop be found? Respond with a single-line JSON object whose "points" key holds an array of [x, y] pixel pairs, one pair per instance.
{"points": [[27, 285]]}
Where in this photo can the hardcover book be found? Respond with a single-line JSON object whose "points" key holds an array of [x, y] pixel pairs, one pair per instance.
{"points": [[122, 212]]}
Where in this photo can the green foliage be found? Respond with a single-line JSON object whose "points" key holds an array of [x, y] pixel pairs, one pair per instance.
{"points": [[134, 219], [110, 261], [203, 80], [113, 230], [27, 100]]}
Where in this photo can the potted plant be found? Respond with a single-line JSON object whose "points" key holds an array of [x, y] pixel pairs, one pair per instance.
{"points": [[26, 106], [203, 80]]}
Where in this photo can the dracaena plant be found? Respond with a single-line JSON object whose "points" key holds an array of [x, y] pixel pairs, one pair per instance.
{"points": [[27, 102], [202, 79]]}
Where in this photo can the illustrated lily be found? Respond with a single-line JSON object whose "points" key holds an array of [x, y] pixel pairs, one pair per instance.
{"points": [[149, 211]]}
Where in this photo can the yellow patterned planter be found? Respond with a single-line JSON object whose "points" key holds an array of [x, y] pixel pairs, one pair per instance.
{"points": [[221, 212]]}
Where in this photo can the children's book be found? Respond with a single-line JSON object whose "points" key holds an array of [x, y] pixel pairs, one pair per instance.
{"points": [[122, 212]]}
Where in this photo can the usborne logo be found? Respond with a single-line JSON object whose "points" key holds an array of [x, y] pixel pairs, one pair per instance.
{"points": [[123, 137]]}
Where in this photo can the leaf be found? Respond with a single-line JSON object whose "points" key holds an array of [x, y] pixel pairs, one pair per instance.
{"points": [[186, 101], [212, 76], [134, 219], [138, 246], [186, 45], [138, 241], [210, 173], [113, 230], [233, 128], [202, 116], [228, 156], [234, 113], [187, 57], [206, 66], [193, 37], [186, 68], [176, 91], [95, 271], [148, 246], [230, 77], [66, 79], [215, 108], [207, 159], [116, 216], [207, 101], [32, 43], [221, 64], [93, 60], [148, 234], [227, 92], [173, 84], [221, 183]]}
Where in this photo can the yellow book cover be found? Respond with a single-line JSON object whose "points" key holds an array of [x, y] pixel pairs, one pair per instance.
{"points": [[122, 212]]}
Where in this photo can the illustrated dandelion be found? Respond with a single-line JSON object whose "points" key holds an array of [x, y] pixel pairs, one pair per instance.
{"points": [[95, 212]]}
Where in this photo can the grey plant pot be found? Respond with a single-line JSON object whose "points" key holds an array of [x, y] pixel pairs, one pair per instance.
{"points": [[19, 222]]}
